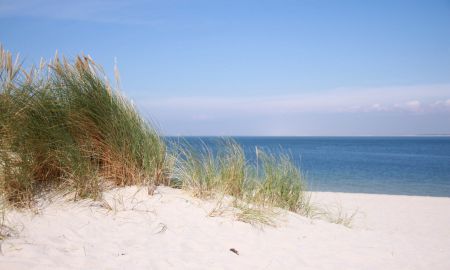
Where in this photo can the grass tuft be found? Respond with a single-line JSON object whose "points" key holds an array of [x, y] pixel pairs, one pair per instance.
{"points": [[337, 215], [63, 126], [255, 215], [281, 184], [256, 189]]}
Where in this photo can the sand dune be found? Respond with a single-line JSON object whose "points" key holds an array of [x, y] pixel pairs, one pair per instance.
{"points": [[172, 230]]}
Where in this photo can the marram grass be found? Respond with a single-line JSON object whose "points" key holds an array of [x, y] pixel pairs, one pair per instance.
{"points": [[204, 173], [274, 181], [63, 126]]}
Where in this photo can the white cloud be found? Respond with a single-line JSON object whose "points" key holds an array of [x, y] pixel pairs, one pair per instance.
{"points": [[387, 99], [413, 105], [375, 111]]}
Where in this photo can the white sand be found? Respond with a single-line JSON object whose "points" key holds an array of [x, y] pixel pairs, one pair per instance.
{"points": [[172, 230]]}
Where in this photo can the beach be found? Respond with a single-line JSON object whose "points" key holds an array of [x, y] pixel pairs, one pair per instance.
{"points": [[224, 135], [130, 229]]}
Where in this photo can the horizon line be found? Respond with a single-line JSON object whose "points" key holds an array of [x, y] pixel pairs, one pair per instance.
{"points": [[219, 136]]}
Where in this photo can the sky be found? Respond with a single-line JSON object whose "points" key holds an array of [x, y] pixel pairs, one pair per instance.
{"points": [[267, 68]]}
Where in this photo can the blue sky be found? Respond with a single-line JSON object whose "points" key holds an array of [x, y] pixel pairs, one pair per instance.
{"points": [[257, 67]]}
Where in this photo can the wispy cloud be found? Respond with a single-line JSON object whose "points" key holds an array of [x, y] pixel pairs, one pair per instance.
{"points": [[407, 99], [396, 110]]}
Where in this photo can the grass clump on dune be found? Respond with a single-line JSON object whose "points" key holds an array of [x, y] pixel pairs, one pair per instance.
{"points": [[63, 126], [282, 184], [204, 173], [273, 181]]}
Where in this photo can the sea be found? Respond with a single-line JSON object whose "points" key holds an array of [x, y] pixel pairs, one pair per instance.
{"points": [[413, 165]]}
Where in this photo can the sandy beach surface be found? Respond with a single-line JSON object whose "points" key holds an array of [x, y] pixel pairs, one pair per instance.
{"points": [[172, 230]]}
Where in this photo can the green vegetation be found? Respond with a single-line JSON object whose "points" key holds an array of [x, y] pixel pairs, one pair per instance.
{"points": [[205, 174], [63, 126], [272, 181]]}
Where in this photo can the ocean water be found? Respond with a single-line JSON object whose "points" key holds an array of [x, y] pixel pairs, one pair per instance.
{"points": [[383, 165]]}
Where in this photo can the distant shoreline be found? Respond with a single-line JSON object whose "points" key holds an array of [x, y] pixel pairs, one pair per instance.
{"points": [[306, 136], [377, 193]]}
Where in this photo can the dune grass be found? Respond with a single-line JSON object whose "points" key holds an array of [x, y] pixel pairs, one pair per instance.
{"points": [[281, 184], [337, 215], [253, 191], [272, 181], [63, 126], [204, 173]]}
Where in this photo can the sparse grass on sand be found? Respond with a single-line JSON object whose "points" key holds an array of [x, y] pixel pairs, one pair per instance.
{"points": [[256, 188]]}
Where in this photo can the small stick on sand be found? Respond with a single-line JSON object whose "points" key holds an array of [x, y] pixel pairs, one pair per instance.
{"points": [[234, 251]]}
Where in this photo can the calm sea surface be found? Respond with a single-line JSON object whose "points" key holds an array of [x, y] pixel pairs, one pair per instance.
{"points": [[386, 165]]}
